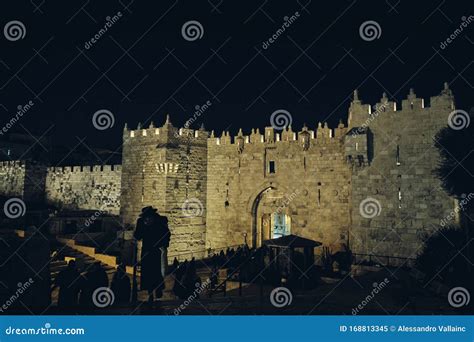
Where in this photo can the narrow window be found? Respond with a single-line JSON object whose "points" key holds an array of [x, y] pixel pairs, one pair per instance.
{"points": [[319, 193], [399, 197], [271, 166], [398, 155]]}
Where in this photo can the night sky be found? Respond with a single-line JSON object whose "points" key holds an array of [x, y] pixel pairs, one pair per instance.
{"points": [[142, 68]]}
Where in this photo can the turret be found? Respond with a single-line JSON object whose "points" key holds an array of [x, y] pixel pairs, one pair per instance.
{"points": [[358, 112], [412, 102]]}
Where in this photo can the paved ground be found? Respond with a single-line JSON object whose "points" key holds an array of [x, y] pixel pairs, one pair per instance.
{"points": [[332, 297]]}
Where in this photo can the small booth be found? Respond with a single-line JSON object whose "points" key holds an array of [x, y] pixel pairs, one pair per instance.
{"points": [[292, 257]]}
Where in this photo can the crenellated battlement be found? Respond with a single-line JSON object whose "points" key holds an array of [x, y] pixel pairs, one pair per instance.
{"points": [[321, 135], [166, 132], [362, 114], [85, 169], [12, 163]]}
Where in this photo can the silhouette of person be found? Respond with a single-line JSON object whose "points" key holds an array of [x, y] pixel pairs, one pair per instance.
{"points": [[93, 279], [120, 285], [178, 288], [68, 286], [190, 280], [153, 230]]}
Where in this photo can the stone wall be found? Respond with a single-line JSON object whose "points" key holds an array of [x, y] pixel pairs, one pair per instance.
{"points": [[217, 190], [12, 178], [22, 179], [165, 167], [397, 176], [310, 184], [85, 187]]}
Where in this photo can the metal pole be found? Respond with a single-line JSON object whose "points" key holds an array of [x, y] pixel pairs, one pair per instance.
{"points": [[134, 277]]}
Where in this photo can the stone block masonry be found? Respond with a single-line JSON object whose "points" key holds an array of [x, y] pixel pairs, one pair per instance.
{"points": [[222, 190], [85, 187]]}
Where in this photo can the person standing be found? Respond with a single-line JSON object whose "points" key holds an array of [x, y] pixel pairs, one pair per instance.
{"points": [[153, 230]]}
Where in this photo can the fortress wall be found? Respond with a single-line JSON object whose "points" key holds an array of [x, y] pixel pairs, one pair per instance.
{"points": [[314, 186], [85, 187], [12, 178], [411, 198]]}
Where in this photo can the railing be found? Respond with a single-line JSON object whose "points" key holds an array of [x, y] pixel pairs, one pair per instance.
{"points": [[136, 265], [373, 258], [238, 269], [209, 251]]}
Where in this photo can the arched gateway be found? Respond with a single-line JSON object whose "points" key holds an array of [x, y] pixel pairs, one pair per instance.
{"points": [[270, 215]]}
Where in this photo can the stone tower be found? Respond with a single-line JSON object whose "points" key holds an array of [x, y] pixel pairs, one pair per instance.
{"points": [[166, 167], [396, 199]]}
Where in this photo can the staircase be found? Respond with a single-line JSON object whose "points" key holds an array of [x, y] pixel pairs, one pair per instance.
{"points": [[83, 262]]}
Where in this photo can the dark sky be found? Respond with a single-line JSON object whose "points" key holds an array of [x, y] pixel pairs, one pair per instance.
{"points": [[143, 68]]}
